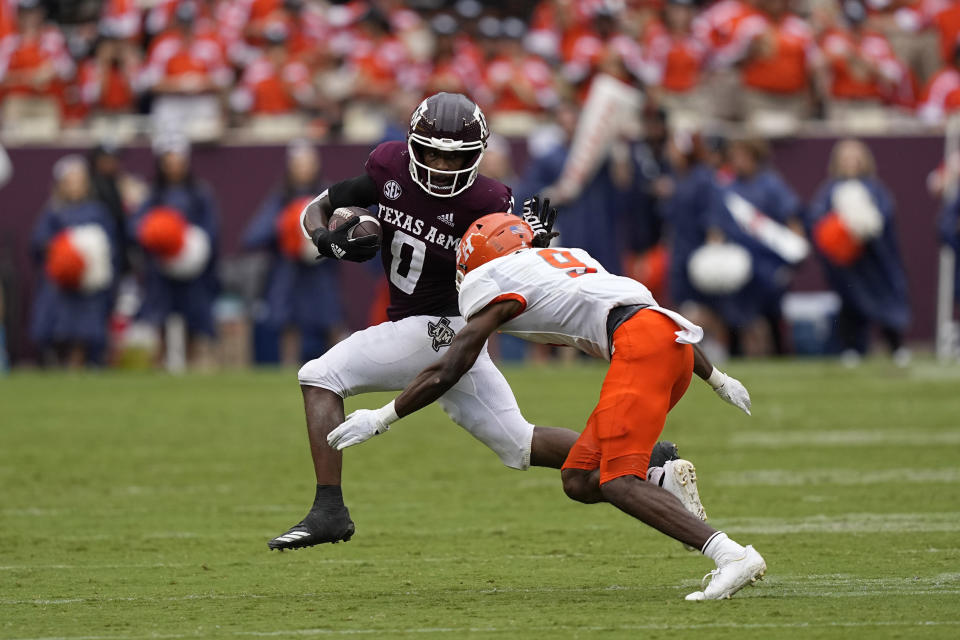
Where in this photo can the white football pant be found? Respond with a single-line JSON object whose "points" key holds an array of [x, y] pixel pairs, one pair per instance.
{"points": [[386, 357]]}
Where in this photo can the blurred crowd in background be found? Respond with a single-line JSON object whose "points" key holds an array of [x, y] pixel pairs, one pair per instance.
{"points": [[695, 211], [342, 70], [705, 222]]}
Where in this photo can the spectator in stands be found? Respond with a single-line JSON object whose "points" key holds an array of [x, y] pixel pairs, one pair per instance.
{"points": [[75, 242], [602, 47], [756, 184], [301, 297], [488, 38], [946, 21], [780, 67], [186, 70], [687, 215], [851, 220], [674, 60], [908, 26], [121, 19], [594, 218], [456, 65], [720, 26], [554, 25], [159, 18], [375, 57], [651, 185], [941, 96], [178, 228], [259, 16], [34, 66], [864, 71], [107, 79], [120, 192], [8, 20], [518, 80], [275, 84]]}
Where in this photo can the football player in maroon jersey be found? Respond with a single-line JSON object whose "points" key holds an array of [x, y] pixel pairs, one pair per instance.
{"points": [[428, 192]]}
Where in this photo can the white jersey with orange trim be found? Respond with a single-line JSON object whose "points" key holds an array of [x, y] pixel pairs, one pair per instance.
{"points": [[566, 296]]}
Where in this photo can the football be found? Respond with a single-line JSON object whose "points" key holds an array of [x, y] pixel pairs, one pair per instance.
{"points": [[368, 225]]}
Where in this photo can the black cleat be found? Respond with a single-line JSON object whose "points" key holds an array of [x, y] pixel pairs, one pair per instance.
{"points": [[662, 452], [318, 527]]}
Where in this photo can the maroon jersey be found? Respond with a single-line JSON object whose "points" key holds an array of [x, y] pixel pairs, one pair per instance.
{"points": [[421, 232]]}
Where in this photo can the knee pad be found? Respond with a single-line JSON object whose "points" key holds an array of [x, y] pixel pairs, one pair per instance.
{"points": [[510, 436], [318, 373], [516, 457]]}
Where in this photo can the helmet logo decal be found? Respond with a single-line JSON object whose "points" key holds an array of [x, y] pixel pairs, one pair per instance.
{"points": [[466, 247], [392, 190], [417, 114]]}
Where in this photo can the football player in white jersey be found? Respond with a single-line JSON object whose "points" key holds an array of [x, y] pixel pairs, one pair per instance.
{"points": [[564, 296]]}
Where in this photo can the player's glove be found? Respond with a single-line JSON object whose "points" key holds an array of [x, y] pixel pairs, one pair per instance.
{"points": [[538, 213], [337, 245], [361, 425], [730, 389]]}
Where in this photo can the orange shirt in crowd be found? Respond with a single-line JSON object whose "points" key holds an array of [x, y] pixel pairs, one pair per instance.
{"points": [[838, 45], [8, 18], [172, 55], [785, 69], [587, 52], [273, 90], [673, 61], [727, 27], [105, 88], [47, 50], [461, 72], [504, 74], [377, 63], [947, 23]]}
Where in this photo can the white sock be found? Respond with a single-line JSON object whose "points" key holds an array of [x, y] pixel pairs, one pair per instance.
{"points": [[655, 476], [722, 549]]}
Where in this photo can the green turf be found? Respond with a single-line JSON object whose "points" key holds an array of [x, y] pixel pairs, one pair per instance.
{"points": [[139, 505]]}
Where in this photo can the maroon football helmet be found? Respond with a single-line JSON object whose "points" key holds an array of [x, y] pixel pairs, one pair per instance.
{"points": [[446, 122]]}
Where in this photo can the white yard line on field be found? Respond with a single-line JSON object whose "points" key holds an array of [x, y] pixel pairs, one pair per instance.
{"points": [[847, 523], [833, 476], [834, 437]]}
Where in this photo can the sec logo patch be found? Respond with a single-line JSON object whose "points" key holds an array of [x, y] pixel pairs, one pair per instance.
{"points": [[391, 189]]}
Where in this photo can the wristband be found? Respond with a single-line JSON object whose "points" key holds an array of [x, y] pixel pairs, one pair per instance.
{"points": [[387, 414], [717, 378]]}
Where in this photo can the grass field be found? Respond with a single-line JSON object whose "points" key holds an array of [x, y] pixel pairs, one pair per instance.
{"points": [[139, 505]]}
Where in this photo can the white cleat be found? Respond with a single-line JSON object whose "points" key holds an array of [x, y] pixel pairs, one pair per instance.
{"points": [[680, 479], [732, 576]]}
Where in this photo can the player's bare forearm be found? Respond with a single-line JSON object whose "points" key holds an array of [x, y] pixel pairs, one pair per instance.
{"points": [[317, 213], [701, 363], [354, 192], [440, 377]]}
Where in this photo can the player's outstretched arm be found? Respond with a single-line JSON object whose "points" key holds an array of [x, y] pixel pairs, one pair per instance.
{"points": [[727, 387], [431, 383]]}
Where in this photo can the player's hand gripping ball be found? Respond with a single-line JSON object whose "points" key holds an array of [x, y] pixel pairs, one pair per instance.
{"points": [[351, 234]]}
